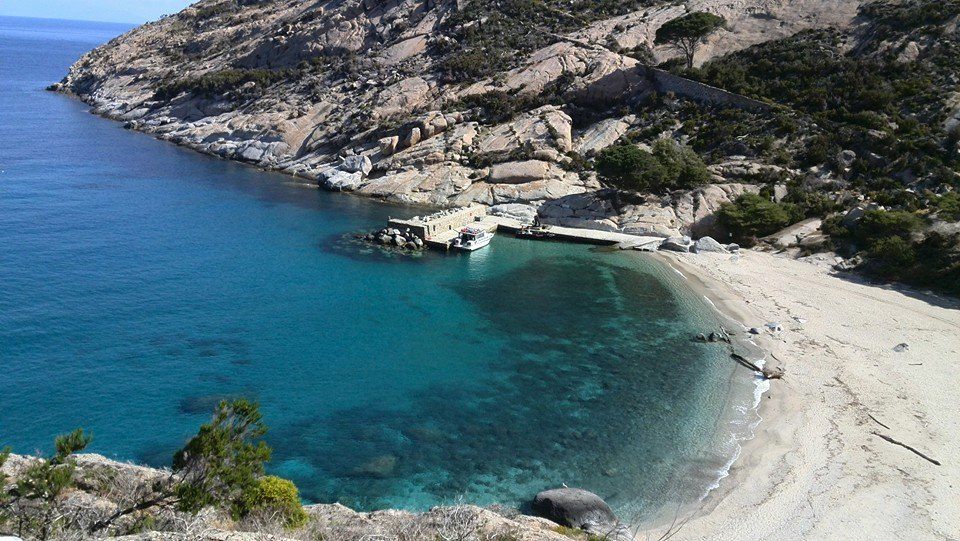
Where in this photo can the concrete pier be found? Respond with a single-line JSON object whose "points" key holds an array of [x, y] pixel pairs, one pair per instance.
{"points": [[439, 229]]}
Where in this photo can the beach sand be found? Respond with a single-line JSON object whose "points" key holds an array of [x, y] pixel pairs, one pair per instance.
{"points": [[818, 467]]}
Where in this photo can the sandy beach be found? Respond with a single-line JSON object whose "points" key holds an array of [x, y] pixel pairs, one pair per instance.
{"points": [[820, 466]]}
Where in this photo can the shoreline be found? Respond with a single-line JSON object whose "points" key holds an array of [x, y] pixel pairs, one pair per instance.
{"points": [[735, 320], [818, 466]]}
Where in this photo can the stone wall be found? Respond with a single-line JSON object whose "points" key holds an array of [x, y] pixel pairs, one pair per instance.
{"points": [[665, 82], [446, 220]]}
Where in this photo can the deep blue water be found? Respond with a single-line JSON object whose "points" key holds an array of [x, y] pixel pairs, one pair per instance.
{"points": [[140, 283]]}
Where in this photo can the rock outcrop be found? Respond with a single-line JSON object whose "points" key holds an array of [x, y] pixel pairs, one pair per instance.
{"points": [[356, 96], [103, 486], [576, 508]]}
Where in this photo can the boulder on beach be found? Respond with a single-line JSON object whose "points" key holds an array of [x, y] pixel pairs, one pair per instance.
{"points": [[575, 508], [708, 244], [677, 244]]}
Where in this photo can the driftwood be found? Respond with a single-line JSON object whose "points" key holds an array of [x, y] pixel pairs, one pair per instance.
{"points": [[767, 373], [907, 447], [877, 421]]}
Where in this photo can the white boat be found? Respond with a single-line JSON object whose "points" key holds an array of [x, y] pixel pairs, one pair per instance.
{"points": [[472, 238]]}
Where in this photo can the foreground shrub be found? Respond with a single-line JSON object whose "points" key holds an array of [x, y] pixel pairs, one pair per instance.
{"points": [[277, 497], [34, 506], [892, 256], [221, 468]]}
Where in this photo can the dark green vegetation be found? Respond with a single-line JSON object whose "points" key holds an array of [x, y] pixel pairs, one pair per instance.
{"points": [[862, 113], [896, 247], [669, 166], [885, 107], [222, 466], [753, 216], [41, 485], [488, 36], [217, 83], [688, 32]]}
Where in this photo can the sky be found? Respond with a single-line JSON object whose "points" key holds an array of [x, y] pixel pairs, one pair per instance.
{"points": [[119, 11]]}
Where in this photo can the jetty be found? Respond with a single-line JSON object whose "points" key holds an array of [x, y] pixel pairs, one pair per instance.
{"points": [[438, 230]]}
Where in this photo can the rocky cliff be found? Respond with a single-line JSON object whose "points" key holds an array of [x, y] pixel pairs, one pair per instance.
{"points": [[433, 102]]}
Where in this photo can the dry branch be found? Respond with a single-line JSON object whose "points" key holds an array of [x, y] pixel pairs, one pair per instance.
{"points": [[907, 447]]}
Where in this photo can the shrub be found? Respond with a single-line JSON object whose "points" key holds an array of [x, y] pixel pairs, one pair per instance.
{"points": [[224, 461], [751, 216], [498, 106], [892, 256], [218, 83], [948, 207], [810, 203], [669, 166], [626, 166], [881, 224], [36, 505], [280, 496]]}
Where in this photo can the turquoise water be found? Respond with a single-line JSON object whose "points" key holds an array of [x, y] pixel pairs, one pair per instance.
{"points": [[140, 283]]}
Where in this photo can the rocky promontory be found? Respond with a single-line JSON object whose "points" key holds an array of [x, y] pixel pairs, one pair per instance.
{"points": [[102, 486], [440, 103]]}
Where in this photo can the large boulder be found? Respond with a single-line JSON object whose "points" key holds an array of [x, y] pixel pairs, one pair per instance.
{"points": [[794, 234], [343, 181], [519, 172], [355, 164], [708, 244], [677, 244], [575, 508]]}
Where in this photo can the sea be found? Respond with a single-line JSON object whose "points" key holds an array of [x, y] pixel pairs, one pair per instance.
{"points": [[142, 283]]}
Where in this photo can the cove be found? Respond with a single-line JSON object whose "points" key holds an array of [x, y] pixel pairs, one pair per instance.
{"points": [[141, 283]]}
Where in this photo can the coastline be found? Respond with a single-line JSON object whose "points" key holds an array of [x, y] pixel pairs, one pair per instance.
{"points": [[818, 466]]}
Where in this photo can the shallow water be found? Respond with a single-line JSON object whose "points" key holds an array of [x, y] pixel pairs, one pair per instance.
{"points": [[140, 283]]}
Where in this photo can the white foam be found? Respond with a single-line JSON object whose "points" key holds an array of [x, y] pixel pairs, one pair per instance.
{"points": [[744, 426]]}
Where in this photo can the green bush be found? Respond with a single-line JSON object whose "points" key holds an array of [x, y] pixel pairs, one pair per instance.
{"points": [[626, 166], [810, 203], [948, 207], [882, 224], [751, 216], [933, 262], [669, 166], [217, 83], [892, 256], [498, 106], [280, 496]]}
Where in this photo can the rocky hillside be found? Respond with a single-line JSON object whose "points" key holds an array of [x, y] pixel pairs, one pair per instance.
{"points": [[493, 102], [796, 110]]}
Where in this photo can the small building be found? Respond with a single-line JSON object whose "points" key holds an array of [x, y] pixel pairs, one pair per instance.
{"points": [[444, 223]]}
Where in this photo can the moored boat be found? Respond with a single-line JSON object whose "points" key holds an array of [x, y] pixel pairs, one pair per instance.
{"points": [[535, 232], [472, 238]]}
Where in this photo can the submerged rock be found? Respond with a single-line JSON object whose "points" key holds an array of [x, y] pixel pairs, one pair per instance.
{"points": [[380, 467], [575, 508]]}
